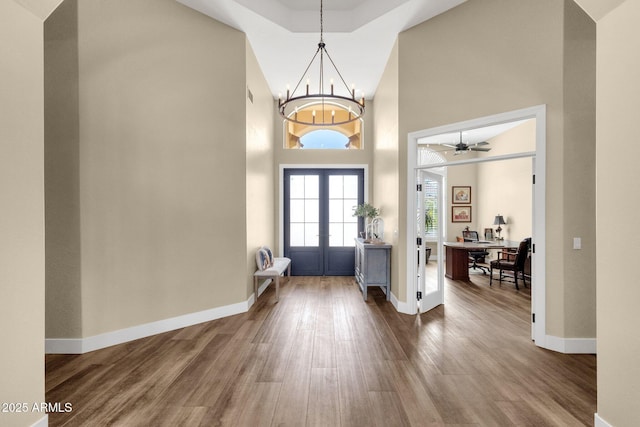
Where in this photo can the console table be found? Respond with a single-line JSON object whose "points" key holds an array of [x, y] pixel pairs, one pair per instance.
{"points": [[373, 266]]}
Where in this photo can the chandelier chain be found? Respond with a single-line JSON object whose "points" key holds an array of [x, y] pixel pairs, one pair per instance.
{"points": [[321, 24], [288, 107]]}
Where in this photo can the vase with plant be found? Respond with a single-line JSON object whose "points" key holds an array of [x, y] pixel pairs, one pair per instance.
{"points": [[368, 212]]}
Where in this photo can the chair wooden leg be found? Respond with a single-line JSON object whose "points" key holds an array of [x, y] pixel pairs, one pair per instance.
{"points": [[515, 278], [277, 287], [491, 276]]}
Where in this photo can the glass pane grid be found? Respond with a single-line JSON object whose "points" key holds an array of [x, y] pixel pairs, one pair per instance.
{"points": [[343, 198], [304, 211]]}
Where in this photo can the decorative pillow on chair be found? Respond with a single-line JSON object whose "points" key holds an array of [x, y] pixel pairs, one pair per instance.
{"points": [[262, 259], [269, 254]]}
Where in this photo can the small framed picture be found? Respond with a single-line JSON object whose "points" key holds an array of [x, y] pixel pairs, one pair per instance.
{"points": [[488, 234], [461, 195], [460, 213]]}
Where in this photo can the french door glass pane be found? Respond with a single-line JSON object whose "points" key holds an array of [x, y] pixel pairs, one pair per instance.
{"points": [[311, 234], [336, 210], [349, 207], [296, 187], [351, 187], [343, 198], [297, 211], [304, 215], [336, 234], [312, 210], [297, 234]]}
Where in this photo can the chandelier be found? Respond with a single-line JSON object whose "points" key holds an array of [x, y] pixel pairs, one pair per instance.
{"points": [[332, 108]]}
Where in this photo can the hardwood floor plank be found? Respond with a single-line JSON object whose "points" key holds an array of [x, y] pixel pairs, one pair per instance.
{"points": [[293, 400], [323, 356], [324, 405], [387, 410], [413, 397], [355, 406]]}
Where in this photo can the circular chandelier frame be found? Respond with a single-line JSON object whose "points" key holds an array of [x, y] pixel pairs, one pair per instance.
{"points": [[291, 107]]}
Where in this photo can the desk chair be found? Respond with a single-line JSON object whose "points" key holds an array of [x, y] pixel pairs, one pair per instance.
{"points": [[474, 256], [513, 262]]}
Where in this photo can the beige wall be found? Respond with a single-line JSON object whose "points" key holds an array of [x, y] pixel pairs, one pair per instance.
{"points": [[479, 72], [579, 173], [260, 193], [162, 155], [505, 187], [617, 151], [62, 184], [465, 175], [155, 180], [386, 181], [22, 218]]}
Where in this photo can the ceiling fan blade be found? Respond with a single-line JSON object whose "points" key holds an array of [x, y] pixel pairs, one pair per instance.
{"points": [[449, 145], [480, 143], [479, 149]]}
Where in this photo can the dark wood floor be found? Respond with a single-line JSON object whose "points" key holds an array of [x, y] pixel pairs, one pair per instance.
{"points": [[322, 356]]}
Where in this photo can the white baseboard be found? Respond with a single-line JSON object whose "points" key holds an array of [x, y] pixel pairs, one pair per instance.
{"points": [[401, 307], [96, 342], [42, 422], [571, 345], [599, 422]]}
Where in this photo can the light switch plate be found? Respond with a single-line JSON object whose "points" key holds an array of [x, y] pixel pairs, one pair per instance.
{"points": [[577, 243]]}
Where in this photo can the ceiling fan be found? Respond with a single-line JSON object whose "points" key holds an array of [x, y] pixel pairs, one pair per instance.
{"points": [[462, 147]]}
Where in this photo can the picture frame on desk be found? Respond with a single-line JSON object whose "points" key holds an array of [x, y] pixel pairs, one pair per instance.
{"points": [[488, 234], [461, 195], [460, 213]]}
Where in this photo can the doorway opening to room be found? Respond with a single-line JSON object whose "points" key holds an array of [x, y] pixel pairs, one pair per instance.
{"points": [[318, 226], [425, 287]]}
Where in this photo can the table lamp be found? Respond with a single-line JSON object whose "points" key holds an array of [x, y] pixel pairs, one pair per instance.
{"points": [[499, 220]]}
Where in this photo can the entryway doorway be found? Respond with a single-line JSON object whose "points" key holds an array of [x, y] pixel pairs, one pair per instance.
{"points": [[415, 287], [318, 223]]}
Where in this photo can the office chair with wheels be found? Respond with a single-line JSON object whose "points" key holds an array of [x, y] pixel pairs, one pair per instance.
{"points": [[475, 256]]}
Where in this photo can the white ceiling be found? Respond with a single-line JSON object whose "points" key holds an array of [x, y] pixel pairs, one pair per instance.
{"points": [[359, 34]]}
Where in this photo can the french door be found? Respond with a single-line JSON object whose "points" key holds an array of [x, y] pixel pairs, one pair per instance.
{"points": [[319, 226], [430, 200]]}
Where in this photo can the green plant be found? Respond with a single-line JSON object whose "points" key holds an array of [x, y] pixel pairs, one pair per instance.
{"points": [[365, 210], [428, 220]]}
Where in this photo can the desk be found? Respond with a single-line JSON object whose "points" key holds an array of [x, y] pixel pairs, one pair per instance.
{"points": [[457, 254]]}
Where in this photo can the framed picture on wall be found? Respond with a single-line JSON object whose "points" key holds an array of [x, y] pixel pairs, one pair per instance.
{"points": [[460, 213], [461, 195]]}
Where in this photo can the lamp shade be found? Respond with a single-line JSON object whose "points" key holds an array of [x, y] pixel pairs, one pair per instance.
{"points": [[499, 220]]}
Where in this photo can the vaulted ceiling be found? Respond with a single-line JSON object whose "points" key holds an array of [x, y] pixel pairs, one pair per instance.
{"points": [[359, 34]]}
